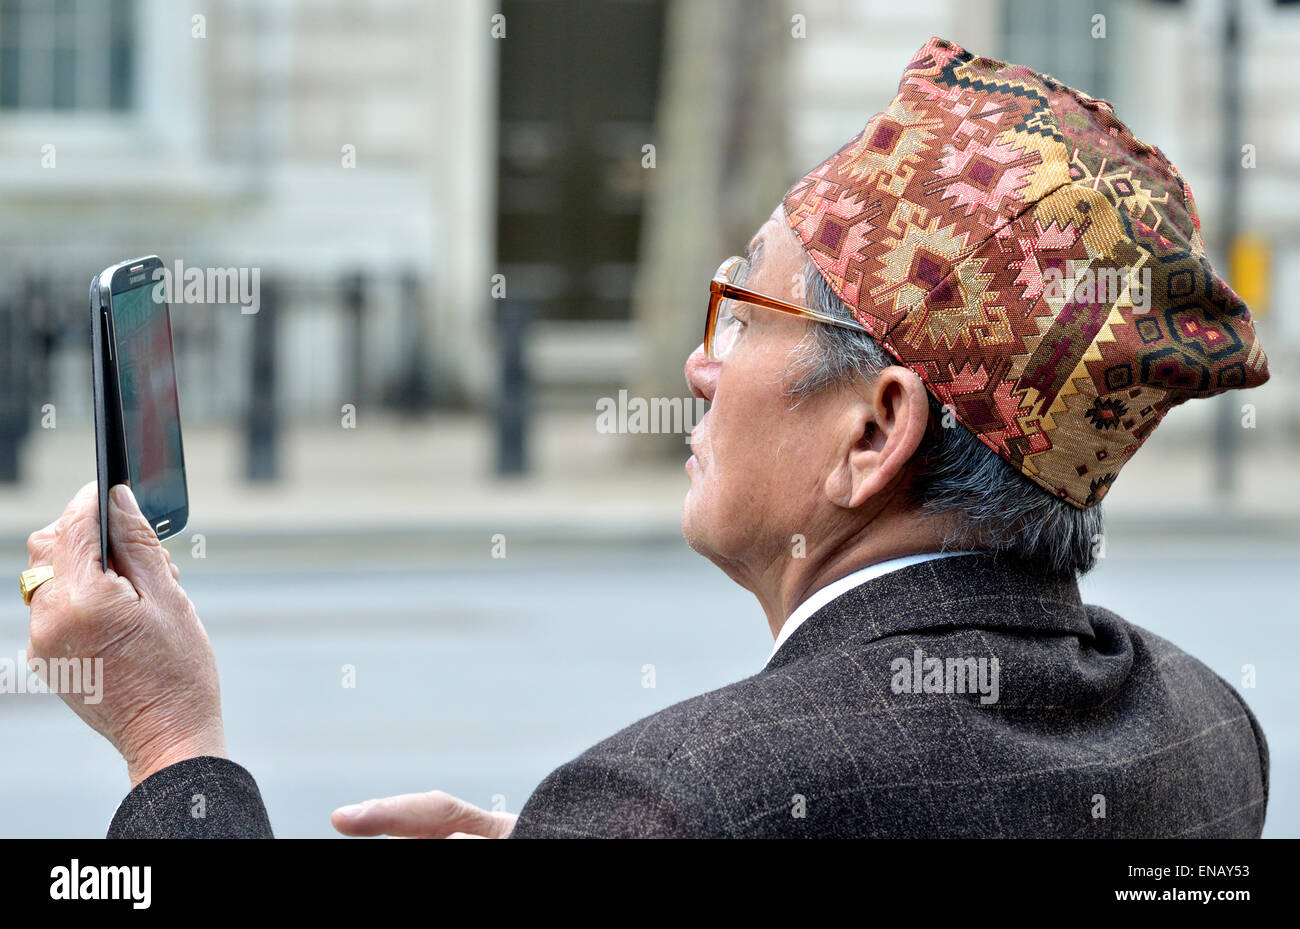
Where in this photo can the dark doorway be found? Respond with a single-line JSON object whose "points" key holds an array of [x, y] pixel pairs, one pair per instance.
{"points": [[578, 85]]}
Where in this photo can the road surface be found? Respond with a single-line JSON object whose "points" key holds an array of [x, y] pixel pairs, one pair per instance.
{"points": [[478, 675]]}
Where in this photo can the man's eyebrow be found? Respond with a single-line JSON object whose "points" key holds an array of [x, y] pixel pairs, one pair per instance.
{"points": [[754, 251]]}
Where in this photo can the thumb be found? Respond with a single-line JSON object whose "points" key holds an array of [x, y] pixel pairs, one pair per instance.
{"points": [[137, 554]]}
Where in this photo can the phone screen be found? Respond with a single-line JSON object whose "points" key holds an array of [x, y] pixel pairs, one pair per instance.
{"points": [[151, 421]]}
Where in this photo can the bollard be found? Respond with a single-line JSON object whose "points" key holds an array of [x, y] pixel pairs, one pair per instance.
{"points": [[263, 460], [412, 393], [354, 307], [513, 398], [13, 389]]}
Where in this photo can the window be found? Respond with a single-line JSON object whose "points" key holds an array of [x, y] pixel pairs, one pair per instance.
{"points": [[1056, 38], [576, 104], [66, 54]]}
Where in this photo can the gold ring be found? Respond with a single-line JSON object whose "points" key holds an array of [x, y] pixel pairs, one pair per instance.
{"points": [[32, 578]]}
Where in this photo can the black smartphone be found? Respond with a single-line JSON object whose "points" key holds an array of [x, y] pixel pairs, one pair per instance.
{"points": [[137, 405]]}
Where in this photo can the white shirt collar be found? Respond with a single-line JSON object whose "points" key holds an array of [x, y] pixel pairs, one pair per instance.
{"points": [[837, 589]]}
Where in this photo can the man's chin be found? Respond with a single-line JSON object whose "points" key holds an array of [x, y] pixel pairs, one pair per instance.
{"points": [[696, 529], [696, 532], [692, 525]]}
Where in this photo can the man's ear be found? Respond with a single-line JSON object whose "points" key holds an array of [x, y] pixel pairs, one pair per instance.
{"points": [[881, 431]]}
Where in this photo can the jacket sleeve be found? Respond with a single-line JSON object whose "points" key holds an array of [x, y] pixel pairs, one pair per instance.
{"points": [[599, 795], [199, 798]]}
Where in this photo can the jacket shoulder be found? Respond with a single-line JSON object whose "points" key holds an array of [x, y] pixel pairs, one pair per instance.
{"points": [[634, 782], [1206, 697], [724, 763], [834, 742]]}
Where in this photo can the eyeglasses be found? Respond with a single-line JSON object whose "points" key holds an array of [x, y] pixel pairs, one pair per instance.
{"points": [[727, 289]]}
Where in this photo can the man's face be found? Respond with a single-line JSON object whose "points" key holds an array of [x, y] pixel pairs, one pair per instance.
{"points": [[758, 464]]}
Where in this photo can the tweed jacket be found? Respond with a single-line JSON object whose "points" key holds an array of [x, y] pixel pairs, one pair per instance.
{"points": [[961, 697]]}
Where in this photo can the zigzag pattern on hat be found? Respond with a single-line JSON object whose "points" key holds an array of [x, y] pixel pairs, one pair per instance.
{"points": [[992, 229]]}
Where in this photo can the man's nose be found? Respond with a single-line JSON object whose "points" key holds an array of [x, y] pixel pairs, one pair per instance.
{"points": [[702, 374]]}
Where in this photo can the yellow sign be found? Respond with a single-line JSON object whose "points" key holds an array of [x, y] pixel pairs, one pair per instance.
{"points": [[1248, 271]]}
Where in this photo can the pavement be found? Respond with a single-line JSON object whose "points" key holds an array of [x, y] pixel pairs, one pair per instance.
{"points": [[388, 476], [433, 477]]}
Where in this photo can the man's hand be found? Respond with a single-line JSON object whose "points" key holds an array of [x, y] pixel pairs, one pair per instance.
{"points": [[433, 815], [160, 700]]}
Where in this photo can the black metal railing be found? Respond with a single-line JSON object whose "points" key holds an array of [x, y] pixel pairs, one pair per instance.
{"points": [[313, 345]]}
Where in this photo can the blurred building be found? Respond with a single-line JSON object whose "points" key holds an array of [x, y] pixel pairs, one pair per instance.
{"points": [[381, 161], [343, 148]]}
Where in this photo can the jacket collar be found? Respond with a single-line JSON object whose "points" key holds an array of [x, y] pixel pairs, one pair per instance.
{"points": [[983, 589]]}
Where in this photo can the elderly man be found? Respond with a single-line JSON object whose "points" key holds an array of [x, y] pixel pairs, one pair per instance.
{"points": [[939, 352]]}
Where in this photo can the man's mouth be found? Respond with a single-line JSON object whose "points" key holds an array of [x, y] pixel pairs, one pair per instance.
{"points": [[696, 442]]}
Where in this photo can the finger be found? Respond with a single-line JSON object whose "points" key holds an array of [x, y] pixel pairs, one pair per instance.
{"points": [[74, 553], [87, 492], [175, 568], [433, 815], [38, 597], [40, 545], [137, 554]]}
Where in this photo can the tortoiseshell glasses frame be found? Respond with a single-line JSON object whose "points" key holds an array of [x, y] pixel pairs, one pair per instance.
{"points": [[719, 324]]}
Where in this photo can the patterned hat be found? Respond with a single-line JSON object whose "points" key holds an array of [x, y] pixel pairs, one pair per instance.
{"points": [[1041, 268]]}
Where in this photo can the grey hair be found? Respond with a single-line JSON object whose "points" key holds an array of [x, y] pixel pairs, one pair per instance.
{"points": [[991, 505]]}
